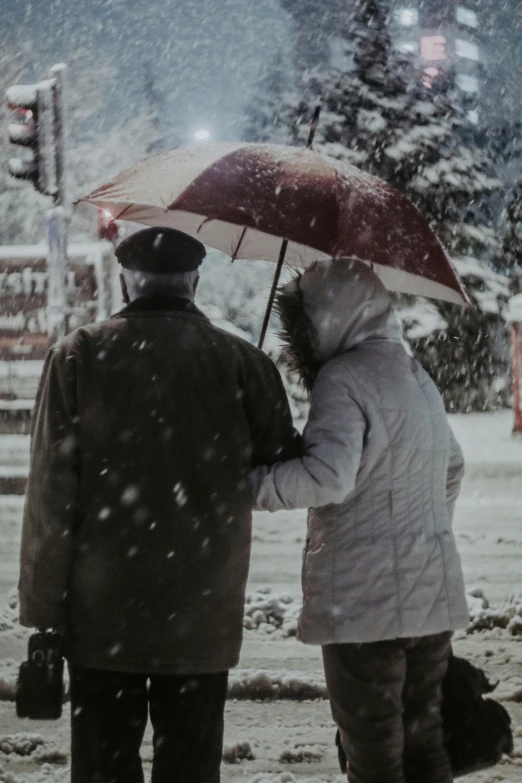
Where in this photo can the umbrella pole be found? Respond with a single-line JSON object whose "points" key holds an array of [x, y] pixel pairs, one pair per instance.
{"points": [[313, 127], [273, 292]]}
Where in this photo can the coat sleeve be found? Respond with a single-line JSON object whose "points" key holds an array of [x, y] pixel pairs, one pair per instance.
{"points": [[333, 443], [272, 433], [50, 506], [455, 473]]}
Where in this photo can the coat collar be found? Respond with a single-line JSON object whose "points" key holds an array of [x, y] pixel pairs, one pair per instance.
{"points": [[154, 305]]}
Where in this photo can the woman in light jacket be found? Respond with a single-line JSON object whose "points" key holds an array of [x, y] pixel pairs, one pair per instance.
{"points": [[381, 472]]}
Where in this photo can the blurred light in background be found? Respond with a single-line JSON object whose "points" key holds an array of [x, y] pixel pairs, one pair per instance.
{"points": [[408, 17], [466, 17]]}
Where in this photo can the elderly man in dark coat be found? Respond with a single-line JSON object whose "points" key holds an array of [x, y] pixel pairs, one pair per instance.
{"points": [[137, 525]]}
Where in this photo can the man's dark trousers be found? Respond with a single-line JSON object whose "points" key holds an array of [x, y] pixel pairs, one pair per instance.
{"points": [[385, 699], [109, 712]]}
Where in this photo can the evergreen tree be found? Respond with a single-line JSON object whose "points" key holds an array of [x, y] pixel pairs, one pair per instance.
{"points": [[450, 177], [510, 253], [366, 94], [377, 114]]}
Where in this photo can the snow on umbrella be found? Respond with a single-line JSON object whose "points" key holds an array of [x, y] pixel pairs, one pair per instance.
{"points": [[244, 199]]}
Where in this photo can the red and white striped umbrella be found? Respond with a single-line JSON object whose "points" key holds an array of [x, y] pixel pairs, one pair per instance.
{"points": [[244, 199]]}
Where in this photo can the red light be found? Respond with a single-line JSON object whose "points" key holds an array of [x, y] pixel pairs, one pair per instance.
{"points": [[429, 75], [21, 115], [107, 226]]}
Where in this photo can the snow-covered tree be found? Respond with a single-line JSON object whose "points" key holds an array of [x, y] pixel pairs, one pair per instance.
{"points": [[379, 115], [450, 176], [510, 252], [365, 90]]}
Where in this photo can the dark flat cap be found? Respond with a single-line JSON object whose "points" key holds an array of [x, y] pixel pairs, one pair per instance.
{"points": [[160, 250]]}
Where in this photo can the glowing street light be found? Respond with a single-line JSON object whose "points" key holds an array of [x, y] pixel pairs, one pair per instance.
{"points": [[202, 135]]}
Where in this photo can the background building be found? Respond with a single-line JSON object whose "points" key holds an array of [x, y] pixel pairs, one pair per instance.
{"points": [[445, 39]]}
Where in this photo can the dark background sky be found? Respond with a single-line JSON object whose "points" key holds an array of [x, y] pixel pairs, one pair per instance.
{"points": [[204, 56]]}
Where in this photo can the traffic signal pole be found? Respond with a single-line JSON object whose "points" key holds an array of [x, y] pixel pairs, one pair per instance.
{"points": [[59, 75], [59, 216]]}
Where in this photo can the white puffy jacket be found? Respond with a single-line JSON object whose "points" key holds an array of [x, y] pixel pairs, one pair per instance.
{"points": [[381, 472]]}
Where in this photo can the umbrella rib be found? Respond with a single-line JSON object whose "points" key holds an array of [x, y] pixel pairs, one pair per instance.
{"points": [[206, 220], [241, 238], [118, 217]]}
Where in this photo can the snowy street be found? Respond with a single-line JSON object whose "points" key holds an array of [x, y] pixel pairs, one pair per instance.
{"points": [[208, 241], [286, 736]]}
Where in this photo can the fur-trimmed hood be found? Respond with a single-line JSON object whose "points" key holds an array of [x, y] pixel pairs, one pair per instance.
{"points": [[328, 310]]}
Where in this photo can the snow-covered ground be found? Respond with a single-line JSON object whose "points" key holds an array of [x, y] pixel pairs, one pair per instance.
{"points": [[279, 728]]}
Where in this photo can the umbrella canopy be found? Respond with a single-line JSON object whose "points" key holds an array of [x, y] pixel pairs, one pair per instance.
{"points": [[243, 199]]}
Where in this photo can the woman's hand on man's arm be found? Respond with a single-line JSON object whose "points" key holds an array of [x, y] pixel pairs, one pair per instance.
{"points": [[333, 441]]}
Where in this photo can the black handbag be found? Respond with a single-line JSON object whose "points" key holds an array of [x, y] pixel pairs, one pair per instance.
{"points": [[477, 731], [39, 689]]}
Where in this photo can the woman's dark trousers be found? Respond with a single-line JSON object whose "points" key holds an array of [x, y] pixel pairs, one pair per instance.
{"points": [[385, 699], [109, 712]]}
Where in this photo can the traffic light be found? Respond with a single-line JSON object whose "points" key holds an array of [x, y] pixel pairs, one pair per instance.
{"points": [[33, 109], [107, 226]]}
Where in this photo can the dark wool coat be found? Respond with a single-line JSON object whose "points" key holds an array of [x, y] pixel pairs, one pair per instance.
{"points": [[137, 524]]}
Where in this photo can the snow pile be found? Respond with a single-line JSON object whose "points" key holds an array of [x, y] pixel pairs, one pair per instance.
{"points": [[20, 744], [301, 754], [268, 612], [287, 777], [235, 754], [9, 613], [46, 774], [275, 615], [254, 685], [485, 617]]}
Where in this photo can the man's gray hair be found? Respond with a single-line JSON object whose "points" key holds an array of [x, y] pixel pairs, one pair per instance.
{"points": [[181, 284]]}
